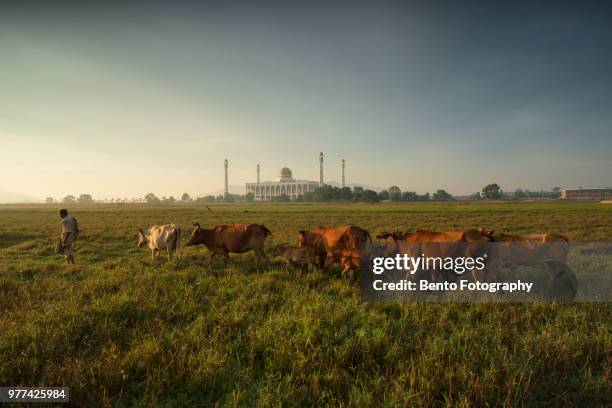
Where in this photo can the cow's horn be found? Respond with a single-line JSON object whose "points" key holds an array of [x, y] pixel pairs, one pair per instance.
{"points": [[196, 224]]}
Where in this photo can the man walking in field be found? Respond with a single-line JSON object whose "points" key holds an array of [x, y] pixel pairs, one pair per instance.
{"points": [[70, 232]]}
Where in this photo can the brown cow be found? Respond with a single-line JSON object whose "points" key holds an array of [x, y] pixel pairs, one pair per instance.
{"points": [[296, 255], [351, 260], [453, 244], [330, 243], [237, 238], [534, 250]]}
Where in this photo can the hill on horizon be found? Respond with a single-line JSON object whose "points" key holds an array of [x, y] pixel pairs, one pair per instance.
{"points": [[7, 197]]}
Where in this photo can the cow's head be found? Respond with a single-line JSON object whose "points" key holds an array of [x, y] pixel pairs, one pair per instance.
{"points": [[197, 235], [142, 238], [481, 235], [488, 234], [302, 237], [386, 237]]}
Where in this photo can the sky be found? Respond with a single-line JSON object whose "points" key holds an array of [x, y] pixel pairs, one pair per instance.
{"points": [[118, 101]]}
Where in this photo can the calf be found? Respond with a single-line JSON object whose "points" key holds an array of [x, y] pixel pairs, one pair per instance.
{"points": [[297, 255]]}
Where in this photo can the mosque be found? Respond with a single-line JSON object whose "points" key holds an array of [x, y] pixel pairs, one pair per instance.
{"points": [[284, 184]]}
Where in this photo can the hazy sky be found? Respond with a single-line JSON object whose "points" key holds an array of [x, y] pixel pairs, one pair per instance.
{"points": [[120, 101]]}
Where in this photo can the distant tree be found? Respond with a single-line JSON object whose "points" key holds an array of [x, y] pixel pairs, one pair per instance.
{"points": [[185, 197], [345, 194], [410, 196], [85, 198], [249, 197], [151, 198], [49, 200], [357, 193], [170, 199], [395, 194], [69, 199], [283, 198], [220, 198], [519, 193], [492, 192], [442, 195], [326, 193], [306, 197], [229, 198], [384, 195], [476, 196], [370, 196]]}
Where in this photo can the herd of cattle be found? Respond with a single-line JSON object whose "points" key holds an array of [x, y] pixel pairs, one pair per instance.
{"points": [[351, 245]]}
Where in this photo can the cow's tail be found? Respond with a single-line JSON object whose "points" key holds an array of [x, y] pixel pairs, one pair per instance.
{"points": [[266, 230], [177, 243]]}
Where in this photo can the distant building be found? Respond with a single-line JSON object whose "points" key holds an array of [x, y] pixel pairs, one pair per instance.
{"points": [[600, 193], [284, 184]]}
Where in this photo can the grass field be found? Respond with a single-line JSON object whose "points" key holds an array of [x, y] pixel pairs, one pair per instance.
{"points": [[120, 331]]}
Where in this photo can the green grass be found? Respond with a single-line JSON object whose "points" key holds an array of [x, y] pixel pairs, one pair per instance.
{"points": [[120, 331]]}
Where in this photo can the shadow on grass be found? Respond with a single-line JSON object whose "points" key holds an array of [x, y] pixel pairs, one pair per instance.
{"points": [[8, 239]]}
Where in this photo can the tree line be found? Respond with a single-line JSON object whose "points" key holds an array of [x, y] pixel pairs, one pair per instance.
{"points": [[326, 193]]}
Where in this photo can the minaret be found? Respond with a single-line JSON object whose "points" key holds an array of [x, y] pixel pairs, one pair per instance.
{"points": [[321, 169], [226, 185], [258, 174], [342, 182]]}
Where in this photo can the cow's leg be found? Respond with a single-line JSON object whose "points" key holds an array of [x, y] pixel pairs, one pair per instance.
{"points": [[212, 256], [261, 255], [562, 277], [156, 254], [321, 260], [434, 275], [347, 266], [225, 258], [332, 258], [170, 252]]}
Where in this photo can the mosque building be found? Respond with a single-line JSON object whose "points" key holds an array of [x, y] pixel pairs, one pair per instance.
{"points": [[286, 184]]}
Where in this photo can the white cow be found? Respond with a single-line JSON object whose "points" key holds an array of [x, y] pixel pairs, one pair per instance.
{"points": [[160, 237]]}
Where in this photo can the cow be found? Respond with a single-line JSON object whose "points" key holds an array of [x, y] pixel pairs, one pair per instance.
{"points": [[388, 242], [296, 255], [236, 238], [160, 237], [537, 249], [454, 244], [333, 244], [386, 237], [532, 249]]}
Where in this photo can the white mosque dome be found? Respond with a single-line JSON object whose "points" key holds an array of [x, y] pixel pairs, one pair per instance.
{"points": [[285, 174]]}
